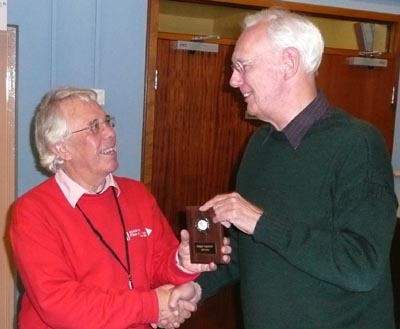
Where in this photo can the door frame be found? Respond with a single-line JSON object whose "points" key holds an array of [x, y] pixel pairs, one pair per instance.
{"points": [[8, 64]]}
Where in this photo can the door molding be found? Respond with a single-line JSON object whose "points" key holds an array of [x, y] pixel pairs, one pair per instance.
{"points": [[8, 64]]}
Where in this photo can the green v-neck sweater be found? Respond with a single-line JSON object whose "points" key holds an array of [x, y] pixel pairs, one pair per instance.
{"points": [[319, 255]]}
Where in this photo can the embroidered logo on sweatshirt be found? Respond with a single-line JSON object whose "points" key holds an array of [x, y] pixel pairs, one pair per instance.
{"points": [[138, 233]]}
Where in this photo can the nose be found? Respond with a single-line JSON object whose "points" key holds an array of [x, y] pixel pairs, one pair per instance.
{"points": [[236, 79], [108, 130]]}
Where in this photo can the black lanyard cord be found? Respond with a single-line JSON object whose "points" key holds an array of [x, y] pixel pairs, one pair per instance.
{"points": [[124, 232], [127, 268]]}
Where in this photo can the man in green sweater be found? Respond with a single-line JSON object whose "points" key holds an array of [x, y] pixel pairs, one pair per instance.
{"points": [[314, 211]]}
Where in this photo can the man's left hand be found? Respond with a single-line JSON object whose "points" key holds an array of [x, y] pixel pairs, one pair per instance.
{"points": [[184, 255]]}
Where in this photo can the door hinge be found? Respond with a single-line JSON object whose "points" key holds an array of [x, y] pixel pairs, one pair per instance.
{"points": [[155, 79], [393, 95]]}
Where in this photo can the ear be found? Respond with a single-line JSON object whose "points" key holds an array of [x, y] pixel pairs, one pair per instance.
{"points": [[291, 62], [60, 149]]}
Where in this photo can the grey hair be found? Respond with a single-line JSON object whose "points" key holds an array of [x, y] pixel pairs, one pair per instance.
{"points": [[51, 126], [287, 29]]}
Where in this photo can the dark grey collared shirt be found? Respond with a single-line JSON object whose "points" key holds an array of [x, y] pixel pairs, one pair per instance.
{"points": [[298, 127]]}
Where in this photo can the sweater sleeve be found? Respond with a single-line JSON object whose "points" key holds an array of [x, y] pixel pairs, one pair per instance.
{"points": [[354, 252], [60, 300]]}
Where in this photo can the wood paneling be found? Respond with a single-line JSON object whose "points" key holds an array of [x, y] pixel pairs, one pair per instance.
{"points": [[365, 92], [199, 135], [199, 130], [8, 48]]}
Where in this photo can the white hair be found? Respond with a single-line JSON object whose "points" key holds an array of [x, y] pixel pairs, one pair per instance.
{"points": [[51, 126], [287, 29]]}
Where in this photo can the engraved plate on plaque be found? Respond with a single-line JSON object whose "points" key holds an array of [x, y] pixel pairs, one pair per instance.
{"points": [[206, 237]]}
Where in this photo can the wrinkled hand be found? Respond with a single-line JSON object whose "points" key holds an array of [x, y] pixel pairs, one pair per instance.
{"points": [[187, 292], [184, 255], [181, 309], [232, 209]]}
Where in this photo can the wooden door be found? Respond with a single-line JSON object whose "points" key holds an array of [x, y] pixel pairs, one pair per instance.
{"points": [[199, 131], [199, 135], [366, 92]]}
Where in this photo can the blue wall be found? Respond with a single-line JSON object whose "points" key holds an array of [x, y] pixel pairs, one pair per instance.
{"points": [[99, 44], [87, 43]]}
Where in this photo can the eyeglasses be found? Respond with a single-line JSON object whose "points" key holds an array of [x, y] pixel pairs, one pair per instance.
{"points": [[94, 126], [241, 67]]}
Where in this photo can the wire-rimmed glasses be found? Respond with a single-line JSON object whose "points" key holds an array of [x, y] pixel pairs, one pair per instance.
{"points": [[94, 126], [241, 67]]}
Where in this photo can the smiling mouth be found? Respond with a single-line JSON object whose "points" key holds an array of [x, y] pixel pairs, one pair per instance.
{"points": [[108, 151]]}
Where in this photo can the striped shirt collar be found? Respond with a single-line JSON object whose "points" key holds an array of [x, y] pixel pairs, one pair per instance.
{"points": [[73, 191], [298, 127]]}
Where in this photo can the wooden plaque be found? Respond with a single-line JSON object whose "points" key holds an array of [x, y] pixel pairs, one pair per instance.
{"points": [[206, 237]]}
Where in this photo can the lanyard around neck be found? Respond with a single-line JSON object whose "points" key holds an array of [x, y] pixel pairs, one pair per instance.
{"points": [[126, 267]]}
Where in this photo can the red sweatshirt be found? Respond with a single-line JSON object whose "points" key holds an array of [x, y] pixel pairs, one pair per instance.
{"points": [[71, 279]]}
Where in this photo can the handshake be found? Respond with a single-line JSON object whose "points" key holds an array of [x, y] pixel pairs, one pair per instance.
{"points": [[177, 303]]}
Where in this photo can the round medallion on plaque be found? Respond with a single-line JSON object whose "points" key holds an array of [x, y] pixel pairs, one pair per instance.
{"points": [[203, 225]]}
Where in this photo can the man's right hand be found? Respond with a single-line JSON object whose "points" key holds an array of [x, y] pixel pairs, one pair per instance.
{"points": [[173, 314]]}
